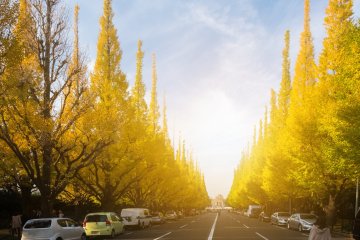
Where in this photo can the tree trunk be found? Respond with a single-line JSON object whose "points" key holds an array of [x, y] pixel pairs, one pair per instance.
{"points": [[330, 211], [26, 200], [46, 205]]}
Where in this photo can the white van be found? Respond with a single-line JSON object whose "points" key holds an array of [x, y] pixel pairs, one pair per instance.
{"points": [[253, 211], [136, 217]]}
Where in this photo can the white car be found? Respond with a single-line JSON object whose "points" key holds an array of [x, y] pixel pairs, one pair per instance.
{"points": [[171, 215], [136, 217], [103, 224], [53, 229]]}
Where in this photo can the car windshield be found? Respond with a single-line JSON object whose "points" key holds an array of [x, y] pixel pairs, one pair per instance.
{"points": [[96, 218], [283, 214], [38, 224], [307, 216]]}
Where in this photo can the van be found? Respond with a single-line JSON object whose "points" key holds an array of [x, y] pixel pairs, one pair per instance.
{"points": [[136, 217], [253, 211]]}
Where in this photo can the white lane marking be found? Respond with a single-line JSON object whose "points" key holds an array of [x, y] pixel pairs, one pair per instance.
{"points": [[162, 236], [193, 221], [261, 236], [213, 228], [246, 226], [129, 233], [280, 228], [183, 226]]}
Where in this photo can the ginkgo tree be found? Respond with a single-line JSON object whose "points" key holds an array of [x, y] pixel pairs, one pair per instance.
{"points": [[311, 150], [35, 87]]}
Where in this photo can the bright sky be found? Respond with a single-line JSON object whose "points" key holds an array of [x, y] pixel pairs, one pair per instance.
{"points": [[216, 63]]}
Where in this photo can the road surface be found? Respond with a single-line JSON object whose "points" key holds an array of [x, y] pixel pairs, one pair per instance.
{"points": [[209, 226]]}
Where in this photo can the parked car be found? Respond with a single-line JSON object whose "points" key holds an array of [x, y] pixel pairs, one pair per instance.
{"points": [[53, 229], [280, 218], [264, 217], [157, 218], [301, 221], [171, 215], [136, 217], [103, 224], [356, 227]]}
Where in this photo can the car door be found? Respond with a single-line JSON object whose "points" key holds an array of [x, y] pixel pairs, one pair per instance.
{"points": [[63, 230], [75, 229], [147, 217], [116, 223], [273, 216], [291, 221], [296, 221]]}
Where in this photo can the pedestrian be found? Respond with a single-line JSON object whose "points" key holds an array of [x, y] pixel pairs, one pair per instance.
{"points": [[16, 225], [38, 213], [320, 231], [61, 214]]}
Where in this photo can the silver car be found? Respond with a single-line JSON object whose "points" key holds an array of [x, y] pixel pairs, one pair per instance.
{"points": [[280, 218], [52, 229], [301, 221]]}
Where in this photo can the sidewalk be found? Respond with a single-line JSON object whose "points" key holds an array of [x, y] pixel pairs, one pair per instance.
{"points": [[341, 236], [4, 234]]}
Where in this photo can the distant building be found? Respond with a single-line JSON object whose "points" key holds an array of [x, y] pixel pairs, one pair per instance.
{"points": [[218, 202]]}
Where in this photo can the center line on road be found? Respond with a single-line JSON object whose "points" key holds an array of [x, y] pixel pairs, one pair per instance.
{"points": [[162, 236], [213, 228], [261, 236], [128, 233], [246, 226], [183, 226]]}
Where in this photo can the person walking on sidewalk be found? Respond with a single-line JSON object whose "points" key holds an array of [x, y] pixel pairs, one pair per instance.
{"points": [[16, 225], [320, 231]]}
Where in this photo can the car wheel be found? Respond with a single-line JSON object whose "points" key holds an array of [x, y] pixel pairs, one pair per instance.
{"points": [[83, 237], [300, 228]]}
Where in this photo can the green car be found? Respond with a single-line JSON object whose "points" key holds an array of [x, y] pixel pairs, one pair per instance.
{"points": [[103, 224]]}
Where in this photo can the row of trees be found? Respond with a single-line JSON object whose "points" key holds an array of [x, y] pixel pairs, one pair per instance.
{"points": [[78, 136], [305, 154]]}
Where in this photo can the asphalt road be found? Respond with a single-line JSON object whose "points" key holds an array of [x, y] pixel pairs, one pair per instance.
{"points": [[226, 226]]}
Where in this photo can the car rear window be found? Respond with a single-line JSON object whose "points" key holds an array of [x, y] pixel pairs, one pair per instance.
{"points": [[38, 224], [96, 218]]}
